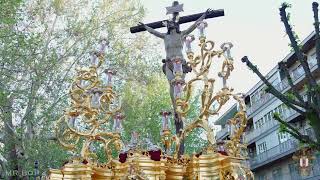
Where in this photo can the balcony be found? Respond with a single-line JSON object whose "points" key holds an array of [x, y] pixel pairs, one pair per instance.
{"points": [[251, 135], [222, 133], [282, 86], [258, 104], [274, 153]]}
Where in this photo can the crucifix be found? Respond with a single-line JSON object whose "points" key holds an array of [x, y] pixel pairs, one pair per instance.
{"points": [[174, 40]]}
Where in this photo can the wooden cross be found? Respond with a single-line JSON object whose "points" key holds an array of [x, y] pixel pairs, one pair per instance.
{"points": [[175, 9]]}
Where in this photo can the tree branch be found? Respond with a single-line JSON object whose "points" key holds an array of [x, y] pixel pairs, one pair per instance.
{"points": [[301, 57], [2, 160], [289, 102], [295, 132], [317, 38], [283, 67], [316, 27], [1, 137], [10, 128], [52, 138]]}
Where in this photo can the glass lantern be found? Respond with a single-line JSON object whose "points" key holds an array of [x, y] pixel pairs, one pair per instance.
{"points": [[226, 47], [177, 66], [201, 27], [102, 45], [94, 59], [108, 77], [95, 99], [117, 125], [177, 90], [165, 120], [134, 140], [72, 121], [221, 148], [188, 43], [84, 83]]}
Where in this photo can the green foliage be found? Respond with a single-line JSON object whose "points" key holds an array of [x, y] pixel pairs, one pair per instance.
{"points": [[8, 11], [268, 89], [317, 88], [290, 95], [286, 5], [282, 127], [312, 118], [196, 140], [49, 154], [142, 104]]}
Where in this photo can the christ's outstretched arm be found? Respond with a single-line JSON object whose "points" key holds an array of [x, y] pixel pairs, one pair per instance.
{"points": [[152, 31], [194, 25]]}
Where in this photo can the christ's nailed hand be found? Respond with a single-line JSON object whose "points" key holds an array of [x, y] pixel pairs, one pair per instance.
{"points": [[208, 11]]}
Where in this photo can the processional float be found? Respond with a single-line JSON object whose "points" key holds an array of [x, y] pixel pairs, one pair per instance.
{"points": [[94, 118]]}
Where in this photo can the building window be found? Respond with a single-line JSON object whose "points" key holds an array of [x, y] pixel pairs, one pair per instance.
{"points": [[310, 133], [262, 147], [262, 176], [256, 97], [277, 174], [283, 137], [318, 162], [269, 116], [297, 72], [294, 171], [259, 123], [280, 109], [312, 60], [275, 82]]}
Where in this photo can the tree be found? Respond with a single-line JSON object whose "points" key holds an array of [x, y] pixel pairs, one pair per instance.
{"points": [[309, 108], [41, 43]]}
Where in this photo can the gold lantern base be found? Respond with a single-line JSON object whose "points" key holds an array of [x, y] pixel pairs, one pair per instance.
{"points": [[176, 172], [146, 167], [113, 170], [72, 171], [212, 165], [204, 167]]}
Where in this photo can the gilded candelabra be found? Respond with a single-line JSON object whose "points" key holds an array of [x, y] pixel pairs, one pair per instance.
{"points": [[93, 105], [87, 123], [235, 149]]}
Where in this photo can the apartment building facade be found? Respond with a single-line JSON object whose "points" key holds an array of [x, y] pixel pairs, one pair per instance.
{"points": [[270, 151]]}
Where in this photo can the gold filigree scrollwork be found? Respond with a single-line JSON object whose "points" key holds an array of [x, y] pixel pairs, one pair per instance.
{"points": [[201, 65], [211, 103], [93, 104]]}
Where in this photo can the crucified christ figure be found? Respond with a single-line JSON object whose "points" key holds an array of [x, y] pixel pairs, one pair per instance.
{"points": [[173, 41]]}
